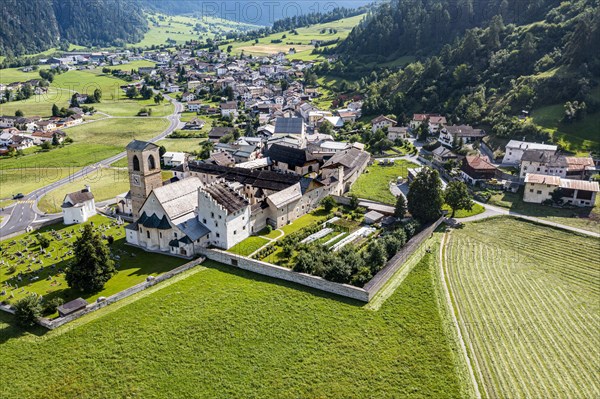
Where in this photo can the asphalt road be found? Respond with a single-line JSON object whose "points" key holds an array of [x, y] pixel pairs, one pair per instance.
{"points": [[24, 213]]}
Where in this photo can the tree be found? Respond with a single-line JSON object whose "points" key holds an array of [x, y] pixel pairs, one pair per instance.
{"points": [[146, 92], [162, 150], [328, 203], [425, 196], [55, 140], [557, 196], [28, 310], [132, 92], [74, 102], [92, 266], [158, 98], [376, 256], [458, 196], [19, 113], [97, 95], [353, 201], [400, 210], [55, 110]]}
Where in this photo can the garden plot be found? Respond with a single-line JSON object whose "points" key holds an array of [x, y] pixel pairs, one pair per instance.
{"points": [[318, 235], [362, 232]]}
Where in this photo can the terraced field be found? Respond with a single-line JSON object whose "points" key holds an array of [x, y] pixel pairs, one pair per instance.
{"points": [[527, 297]]}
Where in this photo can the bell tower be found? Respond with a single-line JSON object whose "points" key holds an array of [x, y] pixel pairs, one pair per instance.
{"points": [[143, 164]]}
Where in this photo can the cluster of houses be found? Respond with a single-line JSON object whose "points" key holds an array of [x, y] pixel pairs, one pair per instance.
{"points": [[8, 92], [20, 133]]}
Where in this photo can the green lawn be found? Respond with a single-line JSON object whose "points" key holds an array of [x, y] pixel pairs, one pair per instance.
{"points": [[463, 213], [582, 218], [10, 75], [318, 215], [226, 333], [14, 181], [133, 267], [118, 131], [248, 246], [373, 184], [528, 297]]}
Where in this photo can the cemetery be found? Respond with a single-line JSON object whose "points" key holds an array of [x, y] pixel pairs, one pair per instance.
{"points": [[35, 262]]}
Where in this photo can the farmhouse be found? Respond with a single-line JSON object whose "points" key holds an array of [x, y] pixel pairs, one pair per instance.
{"points": [[79, 206], [477, 168], [173, 158], [546, 163], [229, 109], [515, 149], [382, 122], [467, 133], [539, 188]]}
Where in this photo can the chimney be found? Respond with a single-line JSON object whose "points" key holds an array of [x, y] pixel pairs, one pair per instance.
{"points": [[87, 189]]}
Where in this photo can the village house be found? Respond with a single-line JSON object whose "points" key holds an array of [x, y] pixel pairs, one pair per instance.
{"points": [[435, 122], [539, 188], [79, 206], [229, 109], [441, 155], [194, 106], [291, 160], [397, 132], [515, 149], [545, 163], [477, 168], [451, 133], [173, 158], [218, 132], [382, 122], [187, 97]]}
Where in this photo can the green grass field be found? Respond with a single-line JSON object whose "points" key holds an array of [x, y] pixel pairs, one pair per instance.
{"points": [[528, 299], [463, 213], [301, 42], [134, 264], [14, 181], [579, 135], [180, 29], [226, 333], [248, 246], [373, 184]]}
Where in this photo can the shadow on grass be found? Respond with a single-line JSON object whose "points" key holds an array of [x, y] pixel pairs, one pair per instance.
{"points": [[283, 283], [9, 329]]}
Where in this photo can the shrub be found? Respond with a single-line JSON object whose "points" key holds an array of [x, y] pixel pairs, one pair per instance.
{"points": [[50, 306], [27, 310]]}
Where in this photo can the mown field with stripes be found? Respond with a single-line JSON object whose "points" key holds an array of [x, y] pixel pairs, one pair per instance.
{"points": [[528, 301]]}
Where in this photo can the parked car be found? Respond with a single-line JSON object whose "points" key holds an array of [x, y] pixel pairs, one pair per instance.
{"points": [[19, 196]]}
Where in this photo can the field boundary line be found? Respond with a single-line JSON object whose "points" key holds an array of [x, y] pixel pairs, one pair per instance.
{"points": [[453, 312]]}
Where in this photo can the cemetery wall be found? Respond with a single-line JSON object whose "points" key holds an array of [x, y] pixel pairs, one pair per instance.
{"points": [[52, 324]]}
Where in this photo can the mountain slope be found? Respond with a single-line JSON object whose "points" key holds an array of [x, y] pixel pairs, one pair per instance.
{"points": [[37, 25], [493, 71]]}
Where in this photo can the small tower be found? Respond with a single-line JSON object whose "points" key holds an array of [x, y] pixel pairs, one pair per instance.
{"points": [[143, 163]]}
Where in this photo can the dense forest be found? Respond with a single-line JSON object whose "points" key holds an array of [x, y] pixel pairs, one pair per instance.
{"points": [[492, 72], [417, 27], [32, 26]]}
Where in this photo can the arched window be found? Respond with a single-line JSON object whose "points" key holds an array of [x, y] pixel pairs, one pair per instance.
{"points": [[136, 163], [151, 162]]}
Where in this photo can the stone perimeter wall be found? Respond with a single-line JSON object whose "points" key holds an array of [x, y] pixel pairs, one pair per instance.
{"points": [[268, 269]]}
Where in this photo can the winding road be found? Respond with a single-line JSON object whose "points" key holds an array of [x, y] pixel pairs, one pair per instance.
{"points": [[24, 213]]}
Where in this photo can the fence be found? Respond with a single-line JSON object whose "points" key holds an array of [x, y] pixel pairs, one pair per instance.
{"points": [[55, 323], [379, 280], [268, 269]]}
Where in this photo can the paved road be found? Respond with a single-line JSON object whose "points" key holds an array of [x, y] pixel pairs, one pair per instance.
{"points": [[25, 213]]}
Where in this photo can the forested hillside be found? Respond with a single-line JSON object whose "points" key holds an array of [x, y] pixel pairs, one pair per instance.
{"points": [[490, 73], [417, 27], [37, 25]]}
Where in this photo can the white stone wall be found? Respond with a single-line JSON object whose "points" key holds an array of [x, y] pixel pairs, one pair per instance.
{"points": [[537, 193]]}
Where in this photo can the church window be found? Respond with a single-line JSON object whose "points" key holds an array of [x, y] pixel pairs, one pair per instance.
{"points": [[136, 163], [148, 233]]}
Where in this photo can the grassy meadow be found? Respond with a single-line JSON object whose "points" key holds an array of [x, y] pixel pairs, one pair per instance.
{"points": [[373, 184], [223, 332], [529, 310], [301, 42]]}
